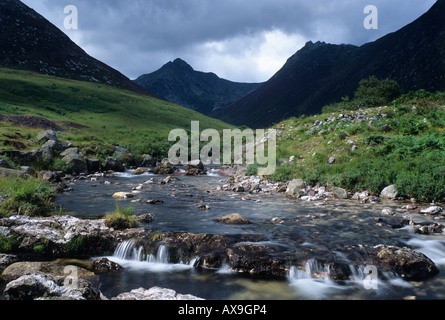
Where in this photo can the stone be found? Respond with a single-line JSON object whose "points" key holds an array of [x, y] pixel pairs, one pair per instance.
{"points": [[148, 161], [146, 218], [76, 163], [123, 195], [5, 172], [294, 189], [139, 171], [233, 219], [409, 264], [388, 212], [47, 135], [113, 164], [164, 170], [120, 153], [70, 151], [93, 165], [49, 287], [155, 293], [331, 160], [155, 201], [390, 192], [340, 193], [45, 153], [104, 265], [432, 210]]}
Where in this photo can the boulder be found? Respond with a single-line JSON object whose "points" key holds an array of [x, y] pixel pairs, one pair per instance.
{"points": [[18, 269], [57, 145], [45, 153], [104, 265], [120, 153], [70, 151], [5, 172], [93, 165], [76, 163], [123, 195], [390, 192], [113, 164], [140, 170], [340, 193], [234, 218], [155, 293], [47, 135], [148, 161], [295, 189], [409, 264], [146, 218], [161, 170], [49, 287]]}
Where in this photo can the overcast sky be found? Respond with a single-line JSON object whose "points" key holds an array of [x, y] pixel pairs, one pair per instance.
{"points": [[239, 40]]}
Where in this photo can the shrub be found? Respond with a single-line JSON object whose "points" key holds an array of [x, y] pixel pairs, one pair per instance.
{"points": [[122, 218], [30, 197]]}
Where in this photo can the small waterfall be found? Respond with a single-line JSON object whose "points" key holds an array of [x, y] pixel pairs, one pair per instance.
{"points": [[130, 256]]}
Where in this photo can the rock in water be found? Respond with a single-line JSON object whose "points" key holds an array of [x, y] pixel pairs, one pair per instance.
{"points": [[155, 293], [389, 192], [233, 219], [294, 189]]}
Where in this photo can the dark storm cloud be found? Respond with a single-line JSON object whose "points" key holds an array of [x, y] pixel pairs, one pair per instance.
{"points": [[244, 40]]}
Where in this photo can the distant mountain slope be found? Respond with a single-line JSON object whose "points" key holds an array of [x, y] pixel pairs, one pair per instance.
{"points": [[321, 73], [29, 41], [177, 82]]}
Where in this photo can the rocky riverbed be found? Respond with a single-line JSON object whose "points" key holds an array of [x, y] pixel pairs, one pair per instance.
{"points": [[257, 246]]}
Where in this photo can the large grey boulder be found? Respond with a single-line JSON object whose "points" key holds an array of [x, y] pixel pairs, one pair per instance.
{"points": [[148, 161], [155, 293], [389, 192], [340, 193], [295, 189], [49, 287], [76, 162], [47, 135], [113, 164]]}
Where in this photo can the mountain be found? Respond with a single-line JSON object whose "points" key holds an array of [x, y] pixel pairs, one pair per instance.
{"points": [[179, 83], [321, 73], [28, 41]]}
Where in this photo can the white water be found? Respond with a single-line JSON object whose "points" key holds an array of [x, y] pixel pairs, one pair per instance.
{"points": [[314, 282], [128, 256], [432, 248]]}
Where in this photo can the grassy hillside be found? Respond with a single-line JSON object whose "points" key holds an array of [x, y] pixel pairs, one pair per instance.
{"points": [[108, 116], [402, 143]]}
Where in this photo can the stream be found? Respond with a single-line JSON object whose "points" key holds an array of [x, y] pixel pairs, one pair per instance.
{"points": [[328, 226]]}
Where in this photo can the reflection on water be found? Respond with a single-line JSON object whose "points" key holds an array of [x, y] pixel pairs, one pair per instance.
{"points": [[327, 226]]}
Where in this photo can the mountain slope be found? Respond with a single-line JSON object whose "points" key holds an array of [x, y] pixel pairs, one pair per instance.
{"points": [[177, 82], [94, 115], [321, 73], [28, 41]]}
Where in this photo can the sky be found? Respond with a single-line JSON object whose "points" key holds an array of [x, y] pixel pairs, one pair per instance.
{"points": [[239, 40]]}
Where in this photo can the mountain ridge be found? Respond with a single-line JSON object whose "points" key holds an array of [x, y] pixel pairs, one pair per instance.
{"points": [[28, 41], [321, 74], [205, 92]]}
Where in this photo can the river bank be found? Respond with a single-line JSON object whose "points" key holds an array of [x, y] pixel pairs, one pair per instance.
{"points": [[281, 238]]}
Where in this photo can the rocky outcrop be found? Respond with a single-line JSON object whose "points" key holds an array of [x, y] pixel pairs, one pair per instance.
{"points": [[155, 293], [49, 287], [407, 263]]}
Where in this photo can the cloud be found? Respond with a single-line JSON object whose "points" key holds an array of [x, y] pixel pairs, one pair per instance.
{"points": [[245, 40]]}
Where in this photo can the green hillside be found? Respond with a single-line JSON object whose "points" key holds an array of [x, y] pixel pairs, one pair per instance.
{"points": [[106, 115], [361, 148]]}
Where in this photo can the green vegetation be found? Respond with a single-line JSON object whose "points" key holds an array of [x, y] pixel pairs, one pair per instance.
{"points": [[95, 117], [401, 143], [122, 218], [9, 244], [371, 92], [30, 197]]}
